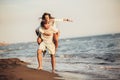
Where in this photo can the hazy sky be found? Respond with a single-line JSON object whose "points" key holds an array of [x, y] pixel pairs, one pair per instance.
{"points": [[19, 18]]}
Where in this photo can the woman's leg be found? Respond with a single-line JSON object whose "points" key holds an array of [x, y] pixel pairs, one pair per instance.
{"points": [[39, 57], [53, 62]]}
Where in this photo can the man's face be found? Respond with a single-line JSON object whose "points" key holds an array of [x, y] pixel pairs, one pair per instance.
{"points": [[46, 26]]}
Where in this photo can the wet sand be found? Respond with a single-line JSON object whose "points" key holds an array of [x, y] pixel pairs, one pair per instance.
{"points": [[15, 69]]}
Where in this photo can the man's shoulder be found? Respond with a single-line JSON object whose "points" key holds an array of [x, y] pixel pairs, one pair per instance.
{"points": [[41, 30], [54, 29]]}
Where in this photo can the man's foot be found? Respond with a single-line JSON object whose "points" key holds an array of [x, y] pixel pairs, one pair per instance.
{"points": [[39, 68], [53, 71]]}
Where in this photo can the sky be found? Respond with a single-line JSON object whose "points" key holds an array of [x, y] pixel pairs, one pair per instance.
{"points": [[19, 18]]}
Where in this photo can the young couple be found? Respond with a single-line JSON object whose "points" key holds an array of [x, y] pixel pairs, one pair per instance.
{"points": [[48, 38]]}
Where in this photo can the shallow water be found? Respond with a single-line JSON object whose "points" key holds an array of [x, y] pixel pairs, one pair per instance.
{"points": [[87, 58]]}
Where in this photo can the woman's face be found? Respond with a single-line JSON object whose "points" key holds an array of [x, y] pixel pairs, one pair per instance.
{"points": [[47, 17]]}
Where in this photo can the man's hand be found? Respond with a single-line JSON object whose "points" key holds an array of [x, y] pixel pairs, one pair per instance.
{"points": [[39, 40]]}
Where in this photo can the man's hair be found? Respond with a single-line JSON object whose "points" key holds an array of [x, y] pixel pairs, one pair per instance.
{"points": [[43, 22]]}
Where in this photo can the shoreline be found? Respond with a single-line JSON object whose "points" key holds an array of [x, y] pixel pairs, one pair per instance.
{"points": [[15, 69]]}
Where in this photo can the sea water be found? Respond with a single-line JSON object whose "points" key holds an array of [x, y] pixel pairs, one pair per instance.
{"points": [[82, 58]]}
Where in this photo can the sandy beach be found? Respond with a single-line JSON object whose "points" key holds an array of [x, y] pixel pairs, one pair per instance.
{"points": [[15, 69]]}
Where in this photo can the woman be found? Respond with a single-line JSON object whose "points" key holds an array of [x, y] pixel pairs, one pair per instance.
{"points": [[52, 21]]}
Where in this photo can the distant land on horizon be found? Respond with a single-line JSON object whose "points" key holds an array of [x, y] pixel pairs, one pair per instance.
{"points": [[3, 43]]}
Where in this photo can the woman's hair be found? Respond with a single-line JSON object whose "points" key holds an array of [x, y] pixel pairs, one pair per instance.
{"points": [[43, 16]]}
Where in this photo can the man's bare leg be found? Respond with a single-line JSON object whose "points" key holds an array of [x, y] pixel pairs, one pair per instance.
{"points": [[53, 62], [39, 57]]}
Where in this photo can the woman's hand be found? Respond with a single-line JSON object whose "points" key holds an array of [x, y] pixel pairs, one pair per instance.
{"points": [[69, 20]]}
